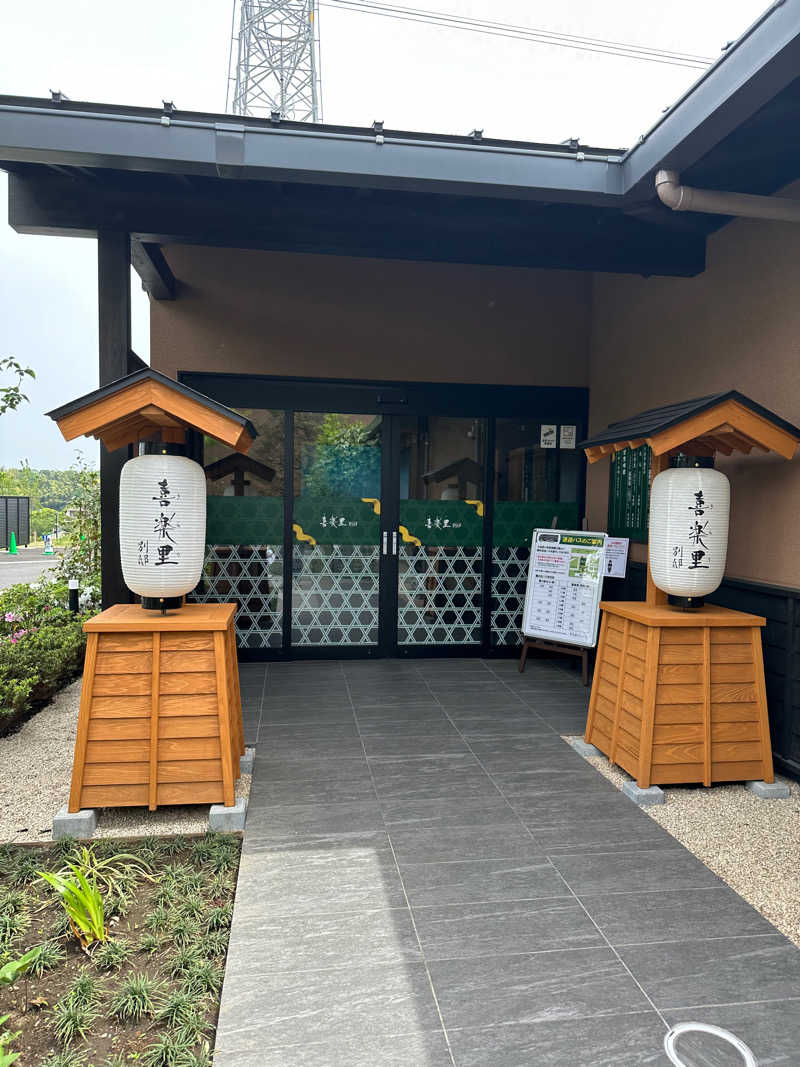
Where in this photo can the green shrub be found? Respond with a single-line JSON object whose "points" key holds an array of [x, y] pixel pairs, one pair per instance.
{"points": [[41, 645]]}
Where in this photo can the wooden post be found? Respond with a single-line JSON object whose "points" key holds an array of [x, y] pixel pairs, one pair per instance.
{"points": [[656, 598], [114, 335]]}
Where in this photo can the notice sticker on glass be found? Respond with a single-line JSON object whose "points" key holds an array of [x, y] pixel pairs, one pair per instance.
{"points": [[548, 435], [616, 557], [567, 437]]}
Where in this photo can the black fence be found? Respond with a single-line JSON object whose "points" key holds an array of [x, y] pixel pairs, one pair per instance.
{"points": [[15, 514], [781, 642]]}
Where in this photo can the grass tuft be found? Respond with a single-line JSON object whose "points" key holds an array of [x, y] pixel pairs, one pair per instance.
{"points": [[85, 991], [183, 962], [214, 945], [48, 955], [136, 997], [169, 1050], [12, 926], [184, 930], [149, 943], [111, 955], [203, 978], [177, 1009], [65, 1058], [220, 917], [72, 1020]]}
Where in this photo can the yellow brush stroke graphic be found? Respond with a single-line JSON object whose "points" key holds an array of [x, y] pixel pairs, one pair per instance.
{"points": [[376, 504], [478, 505], [409, 538], [298, 532]]}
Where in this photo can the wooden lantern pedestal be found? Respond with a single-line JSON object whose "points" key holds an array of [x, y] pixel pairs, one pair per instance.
{"points": [[680, 696], [160, 717]]}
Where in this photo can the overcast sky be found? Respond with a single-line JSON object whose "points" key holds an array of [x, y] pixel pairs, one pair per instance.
{"points": [[409, 75]]}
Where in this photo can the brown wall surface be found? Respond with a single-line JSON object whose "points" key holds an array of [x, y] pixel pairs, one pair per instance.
{"points": [[736, 326], [252, 312]]}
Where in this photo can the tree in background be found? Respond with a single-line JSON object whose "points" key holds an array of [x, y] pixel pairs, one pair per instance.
{"points": [[11, 396], [81, 559], [344, 460]]}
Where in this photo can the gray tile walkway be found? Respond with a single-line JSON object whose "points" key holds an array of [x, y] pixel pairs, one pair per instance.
{"points": [[431, 877]]}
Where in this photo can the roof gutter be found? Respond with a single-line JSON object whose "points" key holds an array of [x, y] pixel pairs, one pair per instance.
{"points": [[709, 202]]}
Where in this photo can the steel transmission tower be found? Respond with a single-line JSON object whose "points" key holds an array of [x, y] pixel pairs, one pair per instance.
{"points": [[276, 54]]}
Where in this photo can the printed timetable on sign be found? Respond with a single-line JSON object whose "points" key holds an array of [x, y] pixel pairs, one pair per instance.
{"points": [[565, 579]]}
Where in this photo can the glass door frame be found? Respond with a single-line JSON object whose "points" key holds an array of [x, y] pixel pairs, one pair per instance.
{"points": [[558, 404]]}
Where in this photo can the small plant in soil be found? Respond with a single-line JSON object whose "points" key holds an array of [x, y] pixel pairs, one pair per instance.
{"points": [[220, 917], [7, 1057], [184, 961], [111, 955], [135, 998], [72, 1020], [149, 943], [47, 956], [135, 995]]}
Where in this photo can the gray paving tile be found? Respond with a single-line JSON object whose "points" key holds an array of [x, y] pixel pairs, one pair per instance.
{"points": [[431, 777], [680, 974], [673, 915], [635, 1040], [310, 748], [447, 811], [771, 1029], [401, 743], [493, 990], [301, 732], [467, 881], [561, 773], [451, 931], [317, 876], [294, 713], [343, 790], [579, 807], [517, 753], [483, 732], [273, 943], [269, 767], [398, 698], [507, 840], [622, 833], [486, 698], [619, 872], [285, 820], [260, 1011], [422, 718], [428, 1049]]}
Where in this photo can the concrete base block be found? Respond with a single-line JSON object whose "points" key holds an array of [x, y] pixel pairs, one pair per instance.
{"points": [[246, 761], [769, 790], [80, 824], [645, 798], [228, 820], [583, 748]]}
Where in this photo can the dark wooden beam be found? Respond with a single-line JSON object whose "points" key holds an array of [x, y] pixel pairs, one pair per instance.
{"points": [[114, 334], [432, 229], [148, 261]]}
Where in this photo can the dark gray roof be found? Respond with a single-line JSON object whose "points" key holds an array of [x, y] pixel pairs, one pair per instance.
{"points": [[654, 420], [148, 374]]}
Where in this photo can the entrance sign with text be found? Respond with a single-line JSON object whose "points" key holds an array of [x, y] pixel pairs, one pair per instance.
{"points": [[565, 579]]}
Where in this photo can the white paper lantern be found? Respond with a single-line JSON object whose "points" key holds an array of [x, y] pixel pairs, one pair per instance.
{"points": [[689, 509], [162, 525]]}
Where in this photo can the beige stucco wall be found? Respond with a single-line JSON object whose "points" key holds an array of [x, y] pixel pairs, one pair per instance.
{"points": [[736, 326], [256, 312], [636, 342]]}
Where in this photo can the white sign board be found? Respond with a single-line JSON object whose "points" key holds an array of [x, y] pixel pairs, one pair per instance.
{"points": [[616, 557], [565, 579], [547, 435], [566, 437]]}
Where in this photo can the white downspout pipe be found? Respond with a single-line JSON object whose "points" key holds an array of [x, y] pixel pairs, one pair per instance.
{"points": [[685, 198]]}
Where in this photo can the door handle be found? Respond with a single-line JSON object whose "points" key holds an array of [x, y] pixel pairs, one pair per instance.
{"points": [[394, 542], [385, 542]]}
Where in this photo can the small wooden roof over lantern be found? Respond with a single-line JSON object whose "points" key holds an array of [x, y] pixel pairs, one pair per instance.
{"points": [[145, 404], [238, 466], [724, 422]]}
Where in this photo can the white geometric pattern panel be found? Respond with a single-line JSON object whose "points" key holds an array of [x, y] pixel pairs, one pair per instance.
{"points": [[335, 595], [509, 578], [252, 575], [439, 595]]}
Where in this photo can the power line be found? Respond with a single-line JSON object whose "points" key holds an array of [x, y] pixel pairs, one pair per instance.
{"points": [[525, 33]]}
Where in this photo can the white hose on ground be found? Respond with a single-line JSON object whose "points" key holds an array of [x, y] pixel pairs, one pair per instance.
{"points": [[671, 1040]]}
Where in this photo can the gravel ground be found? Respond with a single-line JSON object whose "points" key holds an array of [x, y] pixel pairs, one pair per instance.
{"points": [[36, 766], [752, 844]]}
